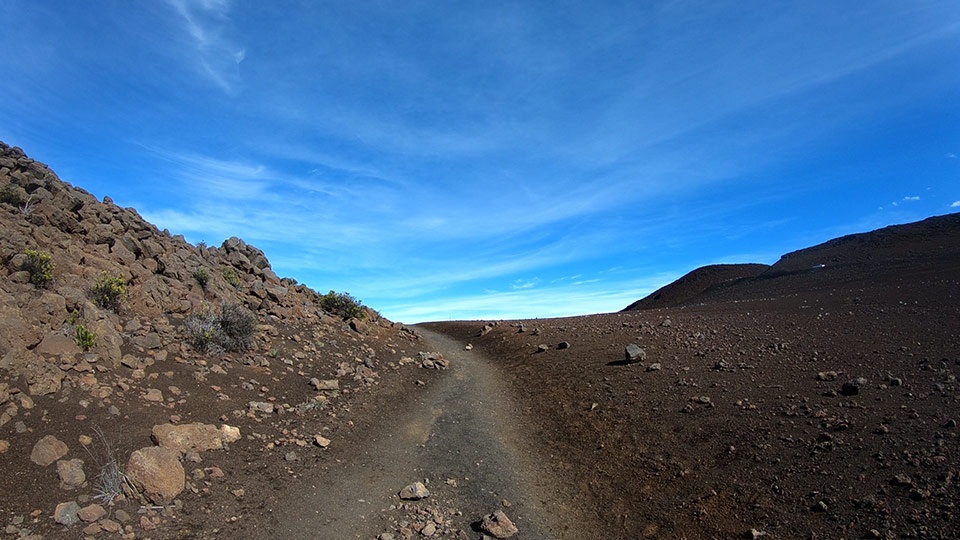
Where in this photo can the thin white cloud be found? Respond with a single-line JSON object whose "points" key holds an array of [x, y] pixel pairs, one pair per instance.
{"points": [[356, 226], [515, 305], [522, 284], [955, 204], [494, 144], [560, 301], [216, 56], [908, 199]]}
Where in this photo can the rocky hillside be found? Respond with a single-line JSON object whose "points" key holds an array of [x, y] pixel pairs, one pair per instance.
{"points": [[132, 363]]}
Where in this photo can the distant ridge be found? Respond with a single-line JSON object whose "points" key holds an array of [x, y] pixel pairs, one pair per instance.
{"points": [[697, 282], [931, 237], [851, 262]]}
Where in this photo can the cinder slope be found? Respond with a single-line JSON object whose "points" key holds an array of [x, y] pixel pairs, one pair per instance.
{"points": [[696, 283], [853, 263]]}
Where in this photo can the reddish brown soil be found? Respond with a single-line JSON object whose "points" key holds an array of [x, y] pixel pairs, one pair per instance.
{"points": [[743, 430], [212, 506]]}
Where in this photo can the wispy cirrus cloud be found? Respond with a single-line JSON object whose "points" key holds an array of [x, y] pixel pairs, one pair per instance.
{"points": [[522, 284], [216, 56], [561, 301], [447, 154]]}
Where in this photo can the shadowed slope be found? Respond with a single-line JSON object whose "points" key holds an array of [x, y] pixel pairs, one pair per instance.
{"points": [[697, 282], [851, 264]]}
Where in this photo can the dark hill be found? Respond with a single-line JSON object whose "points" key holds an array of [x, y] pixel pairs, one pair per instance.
{"points": [[697, 282], [913, 243], [852, 267]]}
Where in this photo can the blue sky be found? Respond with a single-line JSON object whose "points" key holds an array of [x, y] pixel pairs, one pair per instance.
{"points": [[448, 160]]}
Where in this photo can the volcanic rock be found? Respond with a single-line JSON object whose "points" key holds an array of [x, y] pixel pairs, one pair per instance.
{"points": [[91, 513], [414, 492], [158, 472], [498, 525], [48, 450], [325, 384], [229, 434], [853, 386], [66, 513], [633, 354], [57, 345], [196, 436], [71, 473]]}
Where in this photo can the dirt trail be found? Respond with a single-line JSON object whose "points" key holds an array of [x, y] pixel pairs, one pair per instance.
{"points": [[460, 434]]}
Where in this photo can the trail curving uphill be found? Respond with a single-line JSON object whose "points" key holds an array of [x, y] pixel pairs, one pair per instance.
{"points": [[460, 434]]}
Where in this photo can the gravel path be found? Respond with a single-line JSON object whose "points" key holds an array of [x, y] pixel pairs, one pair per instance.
{"points": [[458, 434]]}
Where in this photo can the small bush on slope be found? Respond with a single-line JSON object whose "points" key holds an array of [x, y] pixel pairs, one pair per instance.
{"points": [[39, 265], [232, 277], [342, 304], [230, 330], [109, 291], [202, 277], [84, 338]]}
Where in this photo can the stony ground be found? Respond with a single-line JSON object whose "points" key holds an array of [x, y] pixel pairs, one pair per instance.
{"points": [[285, 426], [825, 414], [141, 432]]}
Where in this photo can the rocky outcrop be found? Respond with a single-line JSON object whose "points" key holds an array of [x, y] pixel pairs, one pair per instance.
{"points": [[166, 280], [98, 339], [166, 277]]}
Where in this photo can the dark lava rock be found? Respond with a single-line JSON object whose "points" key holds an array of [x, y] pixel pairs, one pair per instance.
{"points": [[853, 386]]}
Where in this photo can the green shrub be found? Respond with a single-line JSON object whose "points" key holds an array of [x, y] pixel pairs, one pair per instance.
{"points": [[230, 330], [12, 194], [232, 277], [202, 277], [109, 291], [342, 304], [84, 338], [39, 265]]}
